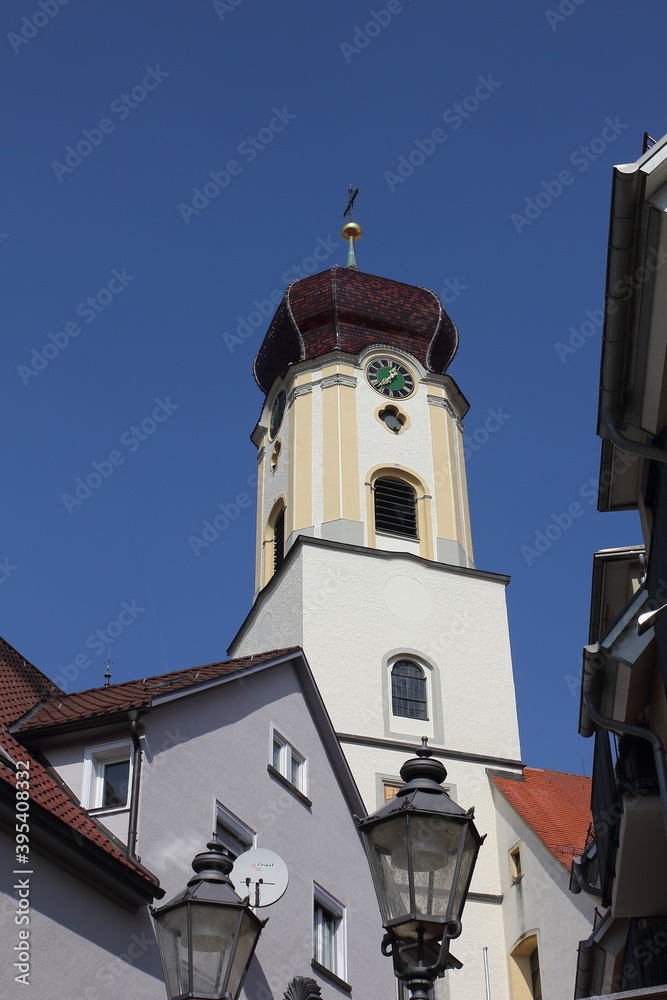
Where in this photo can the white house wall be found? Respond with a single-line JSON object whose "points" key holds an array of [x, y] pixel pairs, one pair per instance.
{"points": [[224, 753], [541, 901], [83, 945]]}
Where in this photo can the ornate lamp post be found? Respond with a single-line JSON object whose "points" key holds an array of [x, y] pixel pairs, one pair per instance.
{"points": [[422, 849], [207, 934]]}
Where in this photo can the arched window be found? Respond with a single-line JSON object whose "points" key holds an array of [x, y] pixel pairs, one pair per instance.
{"points": [[525, 977], [408, 690], [395, 507], [279, 539], [274, 540]]}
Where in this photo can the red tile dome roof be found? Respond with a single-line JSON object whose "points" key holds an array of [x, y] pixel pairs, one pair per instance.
{"points": [[347, 310]]}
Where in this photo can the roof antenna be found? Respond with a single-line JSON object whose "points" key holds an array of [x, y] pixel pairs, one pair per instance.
{"points": [[107, 672], [351, 231]]}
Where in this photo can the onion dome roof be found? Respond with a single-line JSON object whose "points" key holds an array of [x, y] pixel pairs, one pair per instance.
{"points": [[347, 310]]}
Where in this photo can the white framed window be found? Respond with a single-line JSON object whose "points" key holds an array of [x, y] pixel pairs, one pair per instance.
{"points": [[409, 686], [287, 760], [107, 776], [233, 833], [329, 932]]}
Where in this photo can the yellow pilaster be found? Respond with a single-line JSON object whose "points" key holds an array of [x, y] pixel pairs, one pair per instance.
{"points": [[340, 451], [299, 513]]}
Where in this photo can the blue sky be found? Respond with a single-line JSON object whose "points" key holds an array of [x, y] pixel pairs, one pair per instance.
{"points": [[482, 137]]}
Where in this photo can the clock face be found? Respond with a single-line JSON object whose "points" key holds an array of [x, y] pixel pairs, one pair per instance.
{"points": [[277, 413], [391, 378]]}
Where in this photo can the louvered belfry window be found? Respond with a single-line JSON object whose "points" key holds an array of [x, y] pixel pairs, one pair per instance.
{"points": [[279, 539], [395, 507], [408, 690]]}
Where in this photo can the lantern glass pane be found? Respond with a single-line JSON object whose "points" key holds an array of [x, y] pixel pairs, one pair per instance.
{"points": [[213, 930], [435, 843], [470, 850], [388, 856], [244, 949], [172, 939]]}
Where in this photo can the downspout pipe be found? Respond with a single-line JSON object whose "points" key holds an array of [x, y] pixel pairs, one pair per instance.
{"points": [[583, 885], [613, 725], [133, 716], [626, 444]]}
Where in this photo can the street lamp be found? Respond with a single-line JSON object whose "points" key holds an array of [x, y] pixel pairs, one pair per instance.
{"points": [[207, 934], [422, 849]]}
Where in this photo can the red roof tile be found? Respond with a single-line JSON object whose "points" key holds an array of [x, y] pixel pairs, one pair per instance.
{"points": [[347, 310], [22, 686], [97, 703], [555, 805]]}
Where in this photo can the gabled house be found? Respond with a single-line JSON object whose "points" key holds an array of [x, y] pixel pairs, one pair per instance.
{"points": [[147, 771], [543, 819], [71, 898], [624, 676]]}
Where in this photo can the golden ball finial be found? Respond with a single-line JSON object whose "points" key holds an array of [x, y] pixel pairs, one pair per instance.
{"points": [[351, 230]]}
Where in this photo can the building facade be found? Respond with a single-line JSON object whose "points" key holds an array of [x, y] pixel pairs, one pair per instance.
{"points": [[623, 703], [242, 749], [364, 558]]}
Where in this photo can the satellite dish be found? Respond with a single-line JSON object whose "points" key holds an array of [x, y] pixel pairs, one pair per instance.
{"points": [[260, 874]]}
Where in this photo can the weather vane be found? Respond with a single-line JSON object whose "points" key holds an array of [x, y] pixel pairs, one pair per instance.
{"points": [[107, 674], [352, 194], [351, 231]]}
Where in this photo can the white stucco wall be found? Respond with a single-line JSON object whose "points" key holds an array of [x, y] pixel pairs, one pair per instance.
{"points": [[223, 754], [83, 946], [541, 902], [372, 606], [360, 606]]}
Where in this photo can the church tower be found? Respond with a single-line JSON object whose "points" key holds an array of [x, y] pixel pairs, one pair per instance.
{"points": [[364, 555]]}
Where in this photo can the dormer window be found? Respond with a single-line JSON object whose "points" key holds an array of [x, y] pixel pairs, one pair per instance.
{"points": [[107, 776]]}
